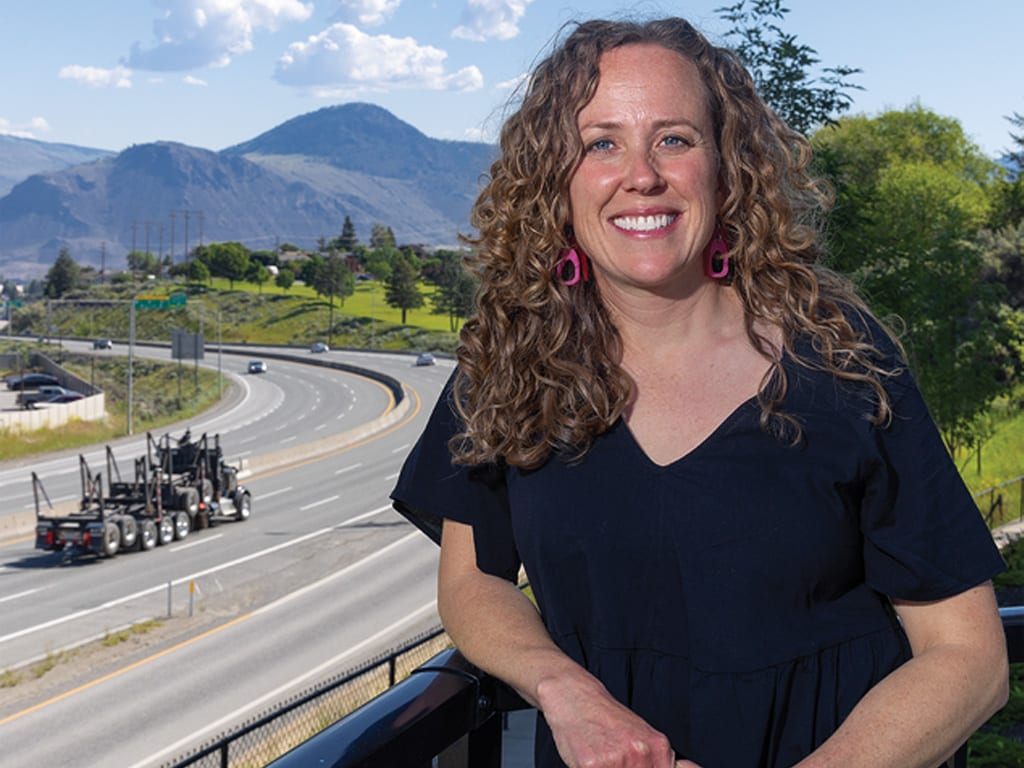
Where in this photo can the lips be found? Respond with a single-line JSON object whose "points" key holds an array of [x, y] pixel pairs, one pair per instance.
{"points": [[648, 223]]}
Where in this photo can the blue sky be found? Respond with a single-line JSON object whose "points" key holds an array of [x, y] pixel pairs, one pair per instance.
{"points": [[212, 73]]}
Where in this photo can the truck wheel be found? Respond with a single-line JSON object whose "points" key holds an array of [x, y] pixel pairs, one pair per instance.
{"points": [[111, 539], [147, 535], [188, 501], [129, 532], [165, 530], [182, 525], [243, 506]]}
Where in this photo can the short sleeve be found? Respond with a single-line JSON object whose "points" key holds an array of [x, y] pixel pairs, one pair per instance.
{"points": [[431, 488], [925, 538]]}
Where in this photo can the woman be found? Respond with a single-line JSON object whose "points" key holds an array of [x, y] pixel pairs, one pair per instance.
{"points": [[746, 540]]}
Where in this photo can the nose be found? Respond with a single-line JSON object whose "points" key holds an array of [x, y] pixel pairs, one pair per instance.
{"points": [[642, 173]]}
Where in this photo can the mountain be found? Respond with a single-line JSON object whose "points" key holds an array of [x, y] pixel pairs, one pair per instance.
{"points": [[294, 183], [20, 158]]}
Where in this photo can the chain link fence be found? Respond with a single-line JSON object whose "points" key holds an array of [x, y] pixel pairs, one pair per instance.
{"points": [[270, 734]]}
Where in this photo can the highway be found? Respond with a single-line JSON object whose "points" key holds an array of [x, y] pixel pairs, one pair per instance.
{"points": [[323, 576]]}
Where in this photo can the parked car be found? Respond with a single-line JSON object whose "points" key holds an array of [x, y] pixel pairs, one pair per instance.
{"points": [[45, 394], [319, 346], [103, 344], [425, 358], [32, 381], [68, 397], [257, 366]]}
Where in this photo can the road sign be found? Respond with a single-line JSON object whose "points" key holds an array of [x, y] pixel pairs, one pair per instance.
{"points": [[160, 301]]}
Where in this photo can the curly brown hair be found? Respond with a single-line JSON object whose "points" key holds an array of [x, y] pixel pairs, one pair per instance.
{"points": [[539, 365]]}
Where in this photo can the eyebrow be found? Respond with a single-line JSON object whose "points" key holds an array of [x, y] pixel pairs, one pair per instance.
{"points": [[611, 125]]}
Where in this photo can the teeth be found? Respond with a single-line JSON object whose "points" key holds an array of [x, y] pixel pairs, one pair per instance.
{"points": [[644, 223]]}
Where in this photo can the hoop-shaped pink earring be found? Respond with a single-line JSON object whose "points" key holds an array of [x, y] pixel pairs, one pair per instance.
{"points": [[718, 249], [580, 268]]}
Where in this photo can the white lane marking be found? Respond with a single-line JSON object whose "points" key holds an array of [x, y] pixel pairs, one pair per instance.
{"points": [[348, 469], [288, 439], [236, 716], [319, 503], [197, 543], [401, 448], [185, 579], [268, 494], [20, 594]]}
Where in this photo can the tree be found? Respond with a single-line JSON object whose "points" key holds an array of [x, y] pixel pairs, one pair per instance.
{"points": [[456, 288], [309, 267], [257, 273], [347, 240], [401, 289], [197, 271], [333, 279], [143, 263], [781, 67], [381, 236], [285, 279], [380, 262], [63, 276], [230, 260], [1004, 260], [910, 201]]}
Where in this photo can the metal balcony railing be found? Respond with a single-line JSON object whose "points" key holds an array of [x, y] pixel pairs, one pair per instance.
{"points": [[451, 711]]}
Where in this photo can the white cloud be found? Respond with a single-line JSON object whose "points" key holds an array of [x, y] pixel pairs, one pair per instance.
{"points": [[491, 19], [97, 77], [189, 80], [30, 131], [348, 60], [208, 33], [511, 85], [370, 13]]}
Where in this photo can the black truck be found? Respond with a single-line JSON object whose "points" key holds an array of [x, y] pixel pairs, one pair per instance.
{"points": [[178, 486]]}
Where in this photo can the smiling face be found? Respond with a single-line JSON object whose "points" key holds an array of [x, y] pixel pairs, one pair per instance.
{"points": [[645, 195]]}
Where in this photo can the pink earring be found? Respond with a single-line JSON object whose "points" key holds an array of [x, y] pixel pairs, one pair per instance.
{"points": [[578, 260], [717, 250]]}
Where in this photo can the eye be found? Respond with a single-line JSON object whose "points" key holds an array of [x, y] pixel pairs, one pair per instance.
{"points": [[676, 141], [601, 145]]}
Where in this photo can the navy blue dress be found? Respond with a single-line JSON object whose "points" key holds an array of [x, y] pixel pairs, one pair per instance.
{"points": [[738, 598]]}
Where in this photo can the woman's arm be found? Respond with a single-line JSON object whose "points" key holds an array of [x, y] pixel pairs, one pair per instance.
{"points": [[497, 628], [918, 715]]}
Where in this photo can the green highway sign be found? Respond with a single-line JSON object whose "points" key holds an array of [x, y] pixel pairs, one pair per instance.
{"points": [[160, 301]]}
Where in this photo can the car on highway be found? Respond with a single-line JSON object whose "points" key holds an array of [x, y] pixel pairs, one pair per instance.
{"points": [[103, 344], [32, 380], [425, 358], [319, 347], [257, 366]]}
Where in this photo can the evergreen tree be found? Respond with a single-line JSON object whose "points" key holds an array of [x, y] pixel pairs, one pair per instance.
{"points": [[64, 276], [347, 241], [401, 289]]}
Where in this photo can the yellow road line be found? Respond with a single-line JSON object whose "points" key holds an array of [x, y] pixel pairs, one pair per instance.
{"points": [[122, 670]]}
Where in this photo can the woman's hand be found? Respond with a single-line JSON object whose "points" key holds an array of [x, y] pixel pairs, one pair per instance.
{"points": [[593, 730]]}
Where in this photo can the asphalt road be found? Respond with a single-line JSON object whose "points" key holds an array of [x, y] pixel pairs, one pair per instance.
{"points": [[323, 576]]}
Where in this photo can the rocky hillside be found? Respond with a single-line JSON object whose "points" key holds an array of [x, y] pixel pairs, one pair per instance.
{"points": [[294, 183]]}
